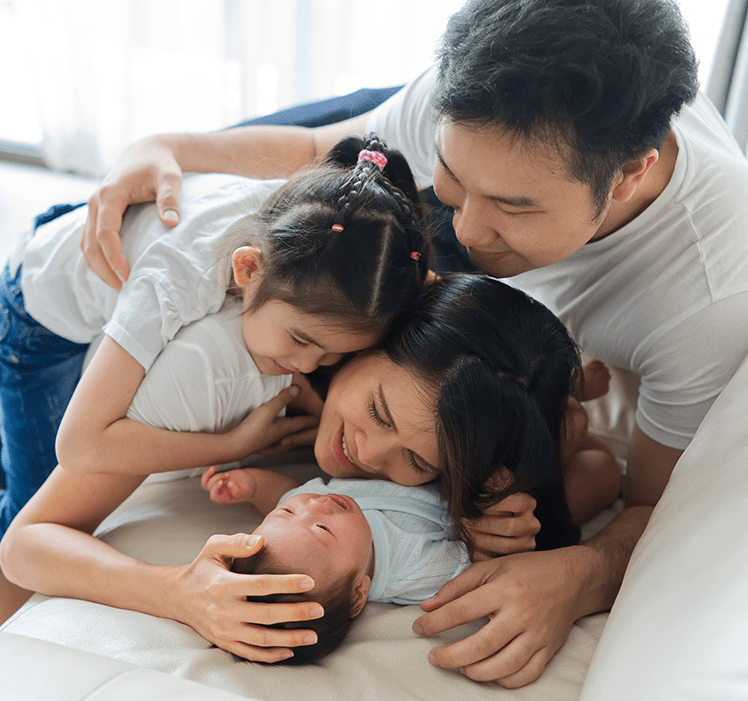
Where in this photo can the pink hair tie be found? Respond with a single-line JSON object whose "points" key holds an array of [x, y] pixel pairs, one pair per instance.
{"points": [[337, 227], [415, 255], [376, 157]]}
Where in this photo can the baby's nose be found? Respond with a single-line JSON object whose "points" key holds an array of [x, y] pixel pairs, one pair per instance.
{"points": [[320, 505]]}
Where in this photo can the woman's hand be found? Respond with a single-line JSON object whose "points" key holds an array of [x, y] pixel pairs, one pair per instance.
{"points": [[264, 432], [230, 487], [507, 527], [147, 171], [212, 600]]}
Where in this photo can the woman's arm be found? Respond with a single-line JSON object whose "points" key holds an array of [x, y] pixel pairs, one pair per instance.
{"points": [[49, 548], [95, 436], [151, 169]]}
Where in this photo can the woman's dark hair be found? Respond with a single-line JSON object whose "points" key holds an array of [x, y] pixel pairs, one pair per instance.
{"points": [[601, 79], [372, 264], [338, 602], [501, 365]]}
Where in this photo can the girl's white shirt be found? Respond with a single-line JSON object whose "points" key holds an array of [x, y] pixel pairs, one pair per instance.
{"points": [[178, 275], [205, 379]]}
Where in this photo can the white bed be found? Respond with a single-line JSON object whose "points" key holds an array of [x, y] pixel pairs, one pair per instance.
{"points": [[679, 629]]}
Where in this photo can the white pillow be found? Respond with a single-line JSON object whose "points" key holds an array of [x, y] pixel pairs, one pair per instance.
{"points": [[679, 628]]}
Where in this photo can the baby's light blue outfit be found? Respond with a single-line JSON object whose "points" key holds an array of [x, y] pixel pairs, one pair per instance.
{"points": [[416, 550]]}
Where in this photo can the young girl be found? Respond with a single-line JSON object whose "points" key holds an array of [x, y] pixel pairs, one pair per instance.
{"points": [[328, 262]]}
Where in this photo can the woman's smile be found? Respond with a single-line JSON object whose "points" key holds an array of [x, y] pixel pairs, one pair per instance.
{"points": [[378, 422], [340, 450]]}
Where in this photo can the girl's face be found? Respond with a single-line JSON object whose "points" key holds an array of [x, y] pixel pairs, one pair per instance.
{"points": [[378, 423], [325, 536], [283, 340]]}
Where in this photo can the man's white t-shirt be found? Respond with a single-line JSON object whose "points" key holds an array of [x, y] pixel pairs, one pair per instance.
{"points": [[177, 274], [665, 296]]}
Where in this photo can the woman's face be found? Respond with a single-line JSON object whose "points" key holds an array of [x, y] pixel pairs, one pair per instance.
{"points": [[378, 423]]}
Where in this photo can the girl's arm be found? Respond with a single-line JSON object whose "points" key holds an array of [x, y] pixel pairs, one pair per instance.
{"points": [[49, 548], [95, 436]]}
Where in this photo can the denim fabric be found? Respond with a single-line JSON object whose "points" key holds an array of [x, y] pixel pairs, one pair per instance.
{"points": [[38, 374], [53, 212]]}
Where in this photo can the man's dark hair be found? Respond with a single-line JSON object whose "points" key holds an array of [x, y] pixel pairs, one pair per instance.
{"points": [[599, 79]]}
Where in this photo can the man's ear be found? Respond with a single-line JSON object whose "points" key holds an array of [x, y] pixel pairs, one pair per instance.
{"points": [[633, 174], [360, 594], [246, 262]]}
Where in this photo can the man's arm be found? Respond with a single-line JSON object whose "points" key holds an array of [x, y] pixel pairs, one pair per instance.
{"points": [[151, 169], [648, 469]]}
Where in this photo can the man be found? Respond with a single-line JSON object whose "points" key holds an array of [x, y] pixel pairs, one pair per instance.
{"points": [[569, 139]]}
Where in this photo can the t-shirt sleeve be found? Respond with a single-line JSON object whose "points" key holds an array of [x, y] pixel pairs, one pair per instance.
{"points": [[406, 122], [678, 388], [144, 320]]}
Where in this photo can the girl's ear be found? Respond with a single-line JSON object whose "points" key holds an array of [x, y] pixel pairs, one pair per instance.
{"points": [[246, 262], [360, 594]]}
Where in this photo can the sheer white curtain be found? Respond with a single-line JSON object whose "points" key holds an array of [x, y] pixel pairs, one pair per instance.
{"points": [[728, 82], [107, 72]]}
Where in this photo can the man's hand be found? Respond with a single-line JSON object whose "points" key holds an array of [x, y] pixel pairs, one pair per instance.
{"points": [[147, 171], [531, 601]]}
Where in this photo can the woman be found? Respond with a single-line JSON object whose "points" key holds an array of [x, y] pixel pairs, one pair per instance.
{"points": [[477, 379]]}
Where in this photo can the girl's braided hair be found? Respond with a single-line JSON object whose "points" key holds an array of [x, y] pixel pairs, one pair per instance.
{"points": [[346, 239]]}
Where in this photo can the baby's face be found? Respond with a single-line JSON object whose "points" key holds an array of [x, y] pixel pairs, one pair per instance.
{"points": [[324, 536]]}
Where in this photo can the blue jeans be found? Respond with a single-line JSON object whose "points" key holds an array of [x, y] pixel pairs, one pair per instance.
{"points": [[38, 374]]}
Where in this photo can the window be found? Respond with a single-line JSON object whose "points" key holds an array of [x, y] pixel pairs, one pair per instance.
{"points": [[121, 69]]}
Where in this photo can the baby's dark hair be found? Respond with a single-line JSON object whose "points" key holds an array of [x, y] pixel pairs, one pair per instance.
{"points": [[337, 600], [346, 239], [600, 79], [500, 364]]}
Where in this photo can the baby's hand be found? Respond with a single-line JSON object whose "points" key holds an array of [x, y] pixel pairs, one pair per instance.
{"points": [[229, 487]]}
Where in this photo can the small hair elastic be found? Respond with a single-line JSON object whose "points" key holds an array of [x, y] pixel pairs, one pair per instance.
{"points": [[337, 227], [415, 255], [376, 157]]}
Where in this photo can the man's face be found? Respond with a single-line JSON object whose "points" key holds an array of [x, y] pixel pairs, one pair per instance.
{"points": [[516, 208]]}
